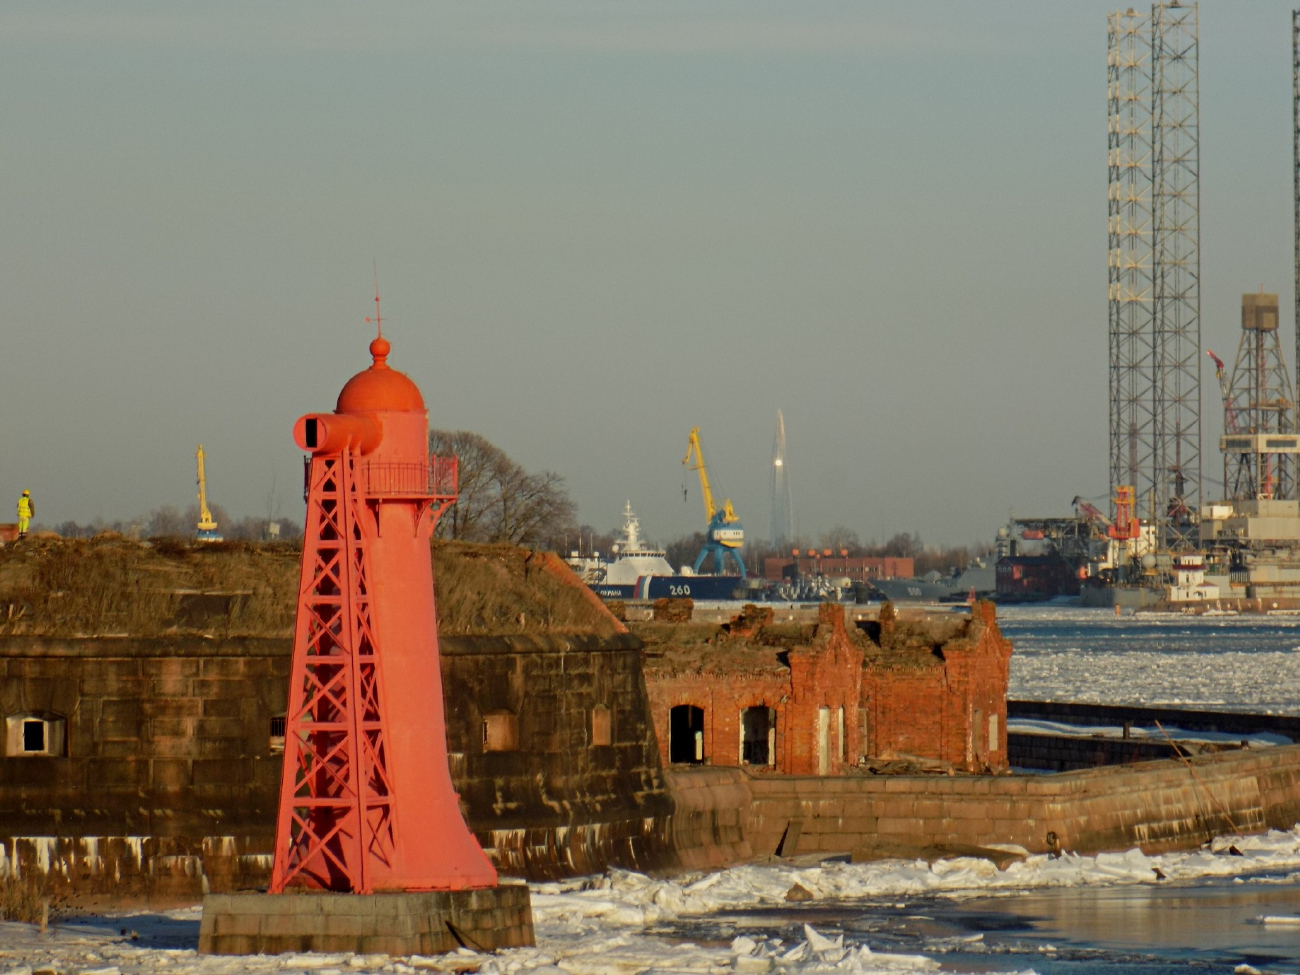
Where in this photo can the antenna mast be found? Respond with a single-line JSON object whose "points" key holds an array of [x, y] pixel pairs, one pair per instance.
{"points": [[378, 320]]}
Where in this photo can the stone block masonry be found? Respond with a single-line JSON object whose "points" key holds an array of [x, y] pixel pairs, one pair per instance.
{"points": [[164, 786], [1158, 806], [397, 923]]}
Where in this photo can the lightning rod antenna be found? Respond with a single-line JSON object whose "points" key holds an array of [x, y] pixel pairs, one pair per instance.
{"points": [[378, 320]]}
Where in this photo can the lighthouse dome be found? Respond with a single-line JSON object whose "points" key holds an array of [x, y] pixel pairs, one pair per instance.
{"points": [[380, 388]]}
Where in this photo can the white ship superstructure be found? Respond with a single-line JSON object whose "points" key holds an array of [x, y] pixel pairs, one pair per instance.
{"points": [[634, 557], [631, 558]]}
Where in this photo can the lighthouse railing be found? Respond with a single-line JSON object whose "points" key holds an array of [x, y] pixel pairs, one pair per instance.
{"points": [[438, 480]]}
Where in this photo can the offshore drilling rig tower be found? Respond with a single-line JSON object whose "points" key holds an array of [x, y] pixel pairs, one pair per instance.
{"points": [[1155, 266]]}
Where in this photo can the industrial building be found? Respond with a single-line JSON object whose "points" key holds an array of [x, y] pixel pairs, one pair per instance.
{"points": [[826, 563]]}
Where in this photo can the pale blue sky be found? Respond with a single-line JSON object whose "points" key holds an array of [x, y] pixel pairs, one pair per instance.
{"points": [[597, 225]]}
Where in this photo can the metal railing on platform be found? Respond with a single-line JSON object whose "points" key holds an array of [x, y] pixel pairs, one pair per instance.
{"points": [[438, 480]]}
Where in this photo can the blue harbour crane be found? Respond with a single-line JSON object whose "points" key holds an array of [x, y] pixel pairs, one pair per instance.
{"points": [[724, 535]]}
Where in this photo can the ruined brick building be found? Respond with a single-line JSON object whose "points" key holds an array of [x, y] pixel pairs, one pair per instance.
{"points": [[822, 699]]}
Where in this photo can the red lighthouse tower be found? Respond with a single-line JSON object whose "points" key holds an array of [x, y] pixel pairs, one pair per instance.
{"points": [[371, 850], [366, 799]]}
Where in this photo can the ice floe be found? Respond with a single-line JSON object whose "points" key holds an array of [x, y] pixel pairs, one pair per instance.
{"points": [[622, 898], [621, 923]]}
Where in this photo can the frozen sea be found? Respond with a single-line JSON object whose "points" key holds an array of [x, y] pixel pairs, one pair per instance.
{"points": [[1233, 906], [1235, 903], [1063, 653]]}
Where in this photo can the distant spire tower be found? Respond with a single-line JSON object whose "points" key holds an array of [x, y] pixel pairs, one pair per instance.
{"points": [[782, 533]]}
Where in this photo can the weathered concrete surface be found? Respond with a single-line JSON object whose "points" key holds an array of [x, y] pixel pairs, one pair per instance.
{"points": [[393, 923]]}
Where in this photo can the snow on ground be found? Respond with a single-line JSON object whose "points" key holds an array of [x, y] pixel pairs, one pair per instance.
{"points": [[616, 924]]}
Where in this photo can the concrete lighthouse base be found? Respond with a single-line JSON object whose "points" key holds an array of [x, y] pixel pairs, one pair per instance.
{"points": [[392, 923]]}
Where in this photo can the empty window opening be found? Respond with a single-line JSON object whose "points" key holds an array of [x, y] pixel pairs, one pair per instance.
{"points": [[277, 734], [993, 733], [36, 734], [601, 725], [839, 732], [823, 741], [500, 731], [977, 724], [312, 438], [758, 731], [33, 736], [686, 734]]}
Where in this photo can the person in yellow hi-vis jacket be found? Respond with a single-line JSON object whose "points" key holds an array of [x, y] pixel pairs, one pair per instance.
{"points": [[26, 508]]}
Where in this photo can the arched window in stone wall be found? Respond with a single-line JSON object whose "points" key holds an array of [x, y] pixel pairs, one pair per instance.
{"points": [[36, 734], [500, 731], [758, 735], [686, 734]]}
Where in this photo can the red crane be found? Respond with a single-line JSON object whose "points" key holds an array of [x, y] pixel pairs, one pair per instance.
{"points": [[1221, 374]]}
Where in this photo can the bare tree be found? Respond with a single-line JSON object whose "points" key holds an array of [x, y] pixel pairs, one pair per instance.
{"points": [[533, 508], [499, 501], [167, 520], [682, 551], [840, 538], [901, 545]]}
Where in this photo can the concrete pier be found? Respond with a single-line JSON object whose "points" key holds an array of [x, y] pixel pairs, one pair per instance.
{"points": [[398, 923]]}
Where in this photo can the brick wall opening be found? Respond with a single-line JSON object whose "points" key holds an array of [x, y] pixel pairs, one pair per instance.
{"points": [[686, 734], [823, 740], [758, 736], [602, 732], [841, 746], [500, 731]]}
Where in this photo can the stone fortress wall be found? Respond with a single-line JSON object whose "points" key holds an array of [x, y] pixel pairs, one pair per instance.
{"points": [[142, 707]]}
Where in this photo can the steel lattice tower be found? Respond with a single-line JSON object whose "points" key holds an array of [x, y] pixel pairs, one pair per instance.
{"points": [[782, 529], [1132, 352], [1295, 155], [1176, 214], [1258, 402], [1154, 205]]}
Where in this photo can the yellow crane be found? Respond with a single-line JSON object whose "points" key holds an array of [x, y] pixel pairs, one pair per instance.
{"points": [[724, 535], [207, 528]]}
